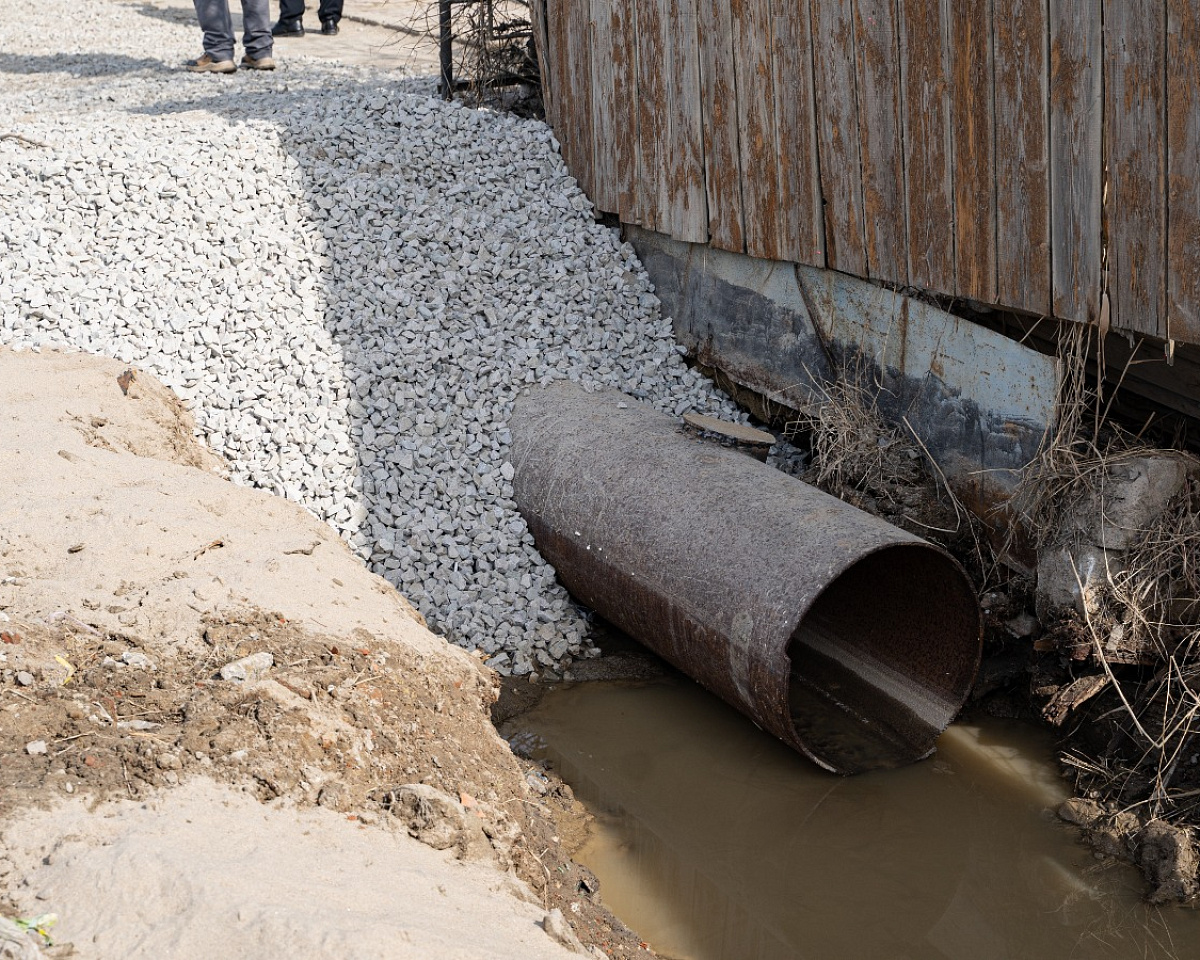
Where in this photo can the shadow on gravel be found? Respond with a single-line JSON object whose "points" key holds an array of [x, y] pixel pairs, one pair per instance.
{"points": [[170, 15], [418, 210], [80, 65]]}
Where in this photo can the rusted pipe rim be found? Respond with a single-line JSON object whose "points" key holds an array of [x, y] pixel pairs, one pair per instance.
{"points": [[870, 684], [846, 637]]}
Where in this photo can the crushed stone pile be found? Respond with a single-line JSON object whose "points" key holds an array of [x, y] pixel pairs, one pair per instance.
{"points": [[347, 281]]}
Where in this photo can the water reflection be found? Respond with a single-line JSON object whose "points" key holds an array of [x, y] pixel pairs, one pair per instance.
{"points": [[716, 843]]}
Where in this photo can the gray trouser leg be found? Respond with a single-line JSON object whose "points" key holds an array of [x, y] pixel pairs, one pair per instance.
{"points": [[217, 26], [256, 18]]}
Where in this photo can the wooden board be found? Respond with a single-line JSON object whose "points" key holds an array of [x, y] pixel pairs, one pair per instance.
{"points": [[606, 188], [1183, 177], [1075, 162], [688, 205], [881, 149], [1022, 35], [565, 123], [837, 134], [556, 41], [652, 107], [579, 69], [801, 228], [626, 111], [752, 40], [541, 42], [722, 154], [1135, 209], [928, 171], [972, 119]]}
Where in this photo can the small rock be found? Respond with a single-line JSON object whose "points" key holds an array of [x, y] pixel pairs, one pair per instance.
{"points": [[168, 761], [1080, 811], [135, 658], [25, 678], [537, 783], [1167, 855], [558, 930], [1023, 625], [1137, 491], [137, 725], [1074, 578], [332, 796], [437, 819], [35, 747], [248, 668]]}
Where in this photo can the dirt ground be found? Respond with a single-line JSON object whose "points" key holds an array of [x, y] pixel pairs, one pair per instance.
{"points": [[132, 575]]}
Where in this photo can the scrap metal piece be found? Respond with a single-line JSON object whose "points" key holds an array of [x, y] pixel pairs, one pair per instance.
{"points": [[749, 440], [847, 638]]}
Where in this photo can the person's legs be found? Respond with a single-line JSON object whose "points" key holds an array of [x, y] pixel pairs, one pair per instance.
{"points": [[256, 19], [217, 25], [291, 12], [330, 11]]}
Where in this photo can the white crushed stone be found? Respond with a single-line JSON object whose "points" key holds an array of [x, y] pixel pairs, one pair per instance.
{"points": [[346, 280]]}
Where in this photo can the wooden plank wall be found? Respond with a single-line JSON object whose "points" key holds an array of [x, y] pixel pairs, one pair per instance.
{"points": [[1040, 155]]}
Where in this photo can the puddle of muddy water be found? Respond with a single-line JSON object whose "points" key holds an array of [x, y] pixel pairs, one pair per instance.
{"points": [[715, 842]]}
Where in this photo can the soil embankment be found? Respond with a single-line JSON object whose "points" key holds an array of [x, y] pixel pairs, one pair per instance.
{"points": [[159, 800]]}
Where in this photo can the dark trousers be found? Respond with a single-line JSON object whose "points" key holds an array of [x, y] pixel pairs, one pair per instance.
{"points": [[292, 11], [217, 25]]}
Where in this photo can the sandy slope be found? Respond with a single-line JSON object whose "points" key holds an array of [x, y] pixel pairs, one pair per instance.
{"points": [[118, 536]]}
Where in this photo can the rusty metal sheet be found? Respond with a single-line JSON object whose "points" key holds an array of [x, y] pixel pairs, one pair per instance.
{"points": [[979, 401]]}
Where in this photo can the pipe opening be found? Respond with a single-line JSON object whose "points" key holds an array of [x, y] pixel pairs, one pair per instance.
{"points": [[883, 659]]}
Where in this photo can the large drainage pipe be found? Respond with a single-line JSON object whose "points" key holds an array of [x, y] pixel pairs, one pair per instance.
{"points": [[844, 636]]}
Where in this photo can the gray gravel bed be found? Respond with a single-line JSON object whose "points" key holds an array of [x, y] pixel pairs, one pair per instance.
{"points": [[347, 280]]}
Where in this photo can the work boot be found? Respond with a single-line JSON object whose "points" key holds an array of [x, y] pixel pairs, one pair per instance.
{"points": [[262, 63], [206, 64]]}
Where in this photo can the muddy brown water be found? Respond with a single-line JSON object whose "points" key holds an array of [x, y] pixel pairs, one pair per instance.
{"points": [[715, 842]]}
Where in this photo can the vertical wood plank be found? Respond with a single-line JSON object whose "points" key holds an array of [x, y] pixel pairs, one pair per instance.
{"points": [[541, 41], [688, 202], [1135, 210], [579, 67], [837, 134], [722, 154], [801, 228], [556, 32], [651, 113], [877, 56], [928, 168], [1075, 161], [626, 111], [756, 125], [1183, 177], [604, 144], [566, 104], [1022, 155], [973, 123]]}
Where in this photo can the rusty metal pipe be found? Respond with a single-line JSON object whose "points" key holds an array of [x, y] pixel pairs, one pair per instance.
{"points": [[844, 636]]}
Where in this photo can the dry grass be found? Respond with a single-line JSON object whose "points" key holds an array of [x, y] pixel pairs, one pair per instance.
{"points": [[1141, 628], [861, 458], [848, 437], [493, 50]]}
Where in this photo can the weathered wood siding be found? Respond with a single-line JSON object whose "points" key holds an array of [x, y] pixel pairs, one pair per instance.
{"points": [[1041, 155]]}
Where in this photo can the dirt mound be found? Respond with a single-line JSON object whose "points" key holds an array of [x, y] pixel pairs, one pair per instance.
{"points": [[161, 626]]}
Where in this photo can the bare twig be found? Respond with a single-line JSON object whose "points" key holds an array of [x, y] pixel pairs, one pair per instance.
{"points": [[21, 138]]}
